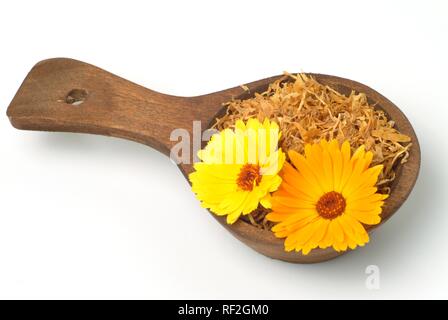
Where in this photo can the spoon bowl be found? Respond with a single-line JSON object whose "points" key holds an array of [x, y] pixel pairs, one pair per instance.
{"points": [[71, 96]]}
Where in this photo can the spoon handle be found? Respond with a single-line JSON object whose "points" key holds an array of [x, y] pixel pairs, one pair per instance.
{"points": [[72, 96]]}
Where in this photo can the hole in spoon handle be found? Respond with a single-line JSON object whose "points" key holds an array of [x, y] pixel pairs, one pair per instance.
{"points": [[76, 97]]}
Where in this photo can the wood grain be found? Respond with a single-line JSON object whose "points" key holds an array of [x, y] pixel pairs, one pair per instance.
{"points": [[72, 96]]}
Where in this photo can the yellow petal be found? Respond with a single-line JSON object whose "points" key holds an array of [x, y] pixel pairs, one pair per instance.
{"points": [[336, 230], [299, 181], [304, 168]]}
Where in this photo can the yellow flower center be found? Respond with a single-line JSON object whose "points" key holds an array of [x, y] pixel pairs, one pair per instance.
{"points": [[331, 205], [248, 176]]}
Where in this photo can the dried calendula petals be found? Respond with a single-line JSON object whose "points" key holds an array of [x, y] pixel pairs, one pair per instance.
{"points": [[308, 111], [391, 135]]}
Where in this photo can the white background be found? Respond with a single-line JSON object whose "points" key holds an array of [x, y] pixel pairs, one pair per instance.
{"points": [[94, 217]]}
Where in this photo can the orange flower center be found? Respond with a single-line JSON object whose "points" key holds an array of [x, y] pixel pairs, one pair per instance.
{"points": [[248, 176], [331, 205]]}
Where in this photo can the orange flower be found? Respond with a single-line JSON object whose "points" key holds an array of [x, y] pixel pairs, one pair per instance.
{"points": [[325, 199]]}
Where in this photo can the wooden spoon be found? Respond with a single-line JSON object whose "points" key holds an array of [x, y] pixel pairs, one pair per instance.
{"points": [[72, 96]]}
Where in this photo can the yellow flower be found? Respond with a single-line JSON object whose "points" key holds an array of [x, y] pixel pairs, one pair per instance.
{"points": [[327, 198], [239, 169]]}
